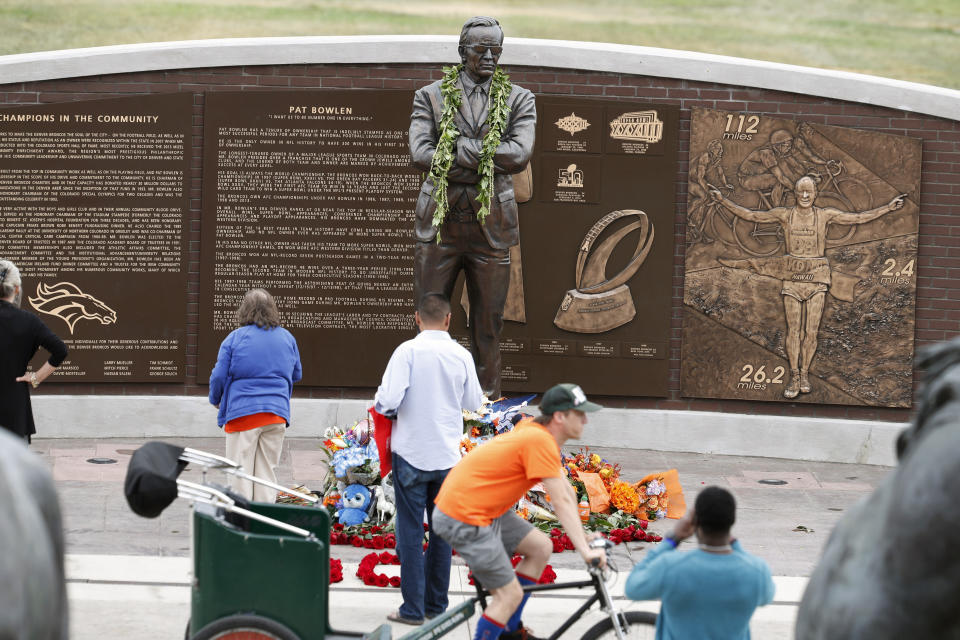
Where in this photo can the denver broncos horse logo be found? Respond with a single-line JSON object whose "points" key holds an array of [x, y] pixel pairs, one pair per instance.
{"points": [[67, 302]]}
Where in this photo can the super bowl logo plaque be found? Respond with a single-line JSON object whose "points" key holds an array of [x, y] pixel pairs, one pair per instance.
{"points": [[572, 124], [635, 131]]}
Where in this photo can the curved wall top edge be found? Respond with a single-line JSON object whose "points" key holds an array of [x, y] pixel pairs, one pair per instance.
{"points": [[561, 54]]}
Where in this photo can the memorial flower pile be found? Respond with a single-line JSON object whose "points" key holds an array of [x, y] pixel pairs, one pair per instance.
{"points": [[626, 503], [618, 509]]}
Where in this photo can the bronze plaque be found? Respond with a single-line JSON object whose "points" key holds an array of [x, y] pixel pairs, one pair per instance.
{"points": [[596, 269], [94, 198], [310, 194], [569, 178], [571, 130], [801, 262], [635, 131]]}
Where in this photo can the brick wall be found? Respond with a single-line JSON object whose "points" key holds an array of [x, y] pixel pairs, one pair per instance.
{"points": [[938, 285]]}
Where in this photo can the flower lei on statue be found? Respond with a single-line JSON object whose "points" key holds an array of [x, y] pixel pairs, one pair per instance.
{"points": [[444, 154]]}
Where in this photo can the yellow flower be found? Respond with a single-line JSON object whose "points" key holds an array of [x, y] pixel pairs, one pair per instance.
{"points": [[606, 472], [595, 460]]}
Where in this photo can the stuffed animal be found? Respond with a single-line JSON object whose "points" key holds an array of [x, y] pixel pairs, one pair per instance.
{"points": [[355, 500]]}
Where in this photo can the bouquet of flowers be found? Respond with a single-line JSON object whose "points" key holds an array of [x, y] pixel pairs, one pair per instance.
{"points": [[352, 454], [586, 462], [660, 496], [494, 417]]}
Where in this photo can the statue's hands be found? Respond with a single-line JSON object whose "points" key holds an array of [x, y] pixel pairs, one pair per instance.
{"points": [[715, 194], [897, 203]]}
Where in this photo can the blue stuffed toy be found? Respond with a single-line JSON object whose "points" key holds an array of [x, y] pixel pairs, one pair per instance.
{"points": [[353, 505]]}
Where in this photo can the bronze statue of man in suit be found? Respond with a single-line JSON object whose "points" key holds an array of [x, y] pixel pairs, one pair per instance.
{"points": [[480, 248]]}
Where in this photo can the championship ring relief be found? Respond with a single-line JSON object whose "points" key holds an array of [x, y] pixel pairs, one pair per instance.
{"points": [[599, 304]]}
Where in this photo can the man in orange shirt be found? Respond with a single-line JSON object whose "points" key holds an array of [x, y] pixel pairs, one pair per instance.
{"points": [[474, 509]]}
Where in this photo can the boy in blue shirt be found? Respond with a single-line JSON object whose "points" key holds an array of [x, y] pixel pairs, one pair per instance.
{"points": [[709, 593]]}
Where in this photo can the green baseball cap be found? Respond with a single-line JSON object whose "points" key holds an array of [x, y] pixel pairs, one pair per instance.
{"points": [[566, 396]]}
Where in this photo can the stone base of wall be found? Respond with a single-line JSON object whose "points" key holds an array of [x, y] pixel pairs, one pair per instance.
{"points": [[819, 439]]}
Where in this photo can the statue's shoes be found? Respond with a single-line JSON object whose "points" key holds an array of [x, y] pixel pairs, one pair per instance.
{"points": [[793, 388], [804, 382]]}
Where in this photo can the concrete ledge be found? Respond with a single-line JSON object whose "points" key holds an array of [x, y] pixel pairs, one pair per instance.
{"points": [[559, 54], [817, 439]]}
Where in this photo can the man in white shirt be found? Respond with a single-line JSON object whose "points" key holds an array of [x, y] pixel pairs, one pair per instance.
{"points": [[428, 383]]}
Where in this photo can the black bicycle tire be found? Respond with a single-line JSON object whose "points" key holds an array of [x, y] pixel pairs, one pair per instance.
{"points": [[638, 618], [271, 629]]}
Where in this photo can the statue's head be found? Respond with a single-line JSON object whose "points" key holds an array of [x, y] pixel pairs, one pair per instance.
{"points": [[481, 43], [805, 191]]}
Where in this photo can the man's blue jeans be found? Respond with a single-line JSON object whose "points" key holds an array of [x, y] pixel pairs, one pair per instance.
{"points": [[424, 577]]}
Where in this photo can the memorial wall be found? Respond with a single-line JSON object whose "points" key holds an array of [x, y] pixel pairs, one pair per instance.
{"points": [[141, 206], [93, 198], [310, 194]]}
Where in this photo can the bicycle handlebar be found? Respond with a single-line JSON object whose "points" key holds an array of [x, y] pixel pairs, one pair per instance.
{"points": [[599, 543]]}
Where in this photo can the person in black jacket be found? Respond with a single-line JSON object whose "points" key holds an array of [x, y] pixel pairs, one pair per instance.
{"points": [[21, 334]]}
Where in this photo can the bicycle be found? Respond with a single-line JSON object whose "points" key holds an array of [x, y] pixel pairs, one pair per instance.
{"points": [[847, 193], [618, 624], [261, 571]]}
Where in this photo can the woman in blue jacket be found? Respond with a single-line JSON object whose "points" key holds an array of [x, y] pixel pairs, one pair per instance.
{"points": [[251, 384]]}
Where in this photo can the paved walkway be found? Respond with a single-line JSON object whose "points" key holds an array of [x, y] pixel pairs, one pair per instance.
{"points": [[129, 576]]}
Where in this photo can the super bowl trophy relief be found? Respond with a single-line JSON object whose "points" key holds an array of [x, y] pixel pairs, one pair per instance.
{"points": [[597, 303], [471, 132]]}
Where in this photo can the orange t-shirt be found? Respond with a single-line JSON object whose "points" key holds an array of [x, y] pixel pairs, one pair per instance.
{"points": [[490, 479], [252, 421]]}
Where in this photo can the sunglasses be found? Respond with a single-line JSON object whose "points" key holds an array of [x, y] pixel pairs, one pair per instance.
{"points": [[481, 49]]}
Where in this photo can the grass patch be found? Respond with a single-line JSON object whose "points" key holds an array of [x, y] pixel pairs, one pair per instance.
{"points": [[916, 40]]}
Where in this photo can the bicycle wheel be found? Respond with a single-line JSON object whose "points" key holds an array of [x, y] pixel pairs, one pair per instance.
{"points": [[245, 627], [758, 239], [852, 195], [640, 624], [721, 224]]}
